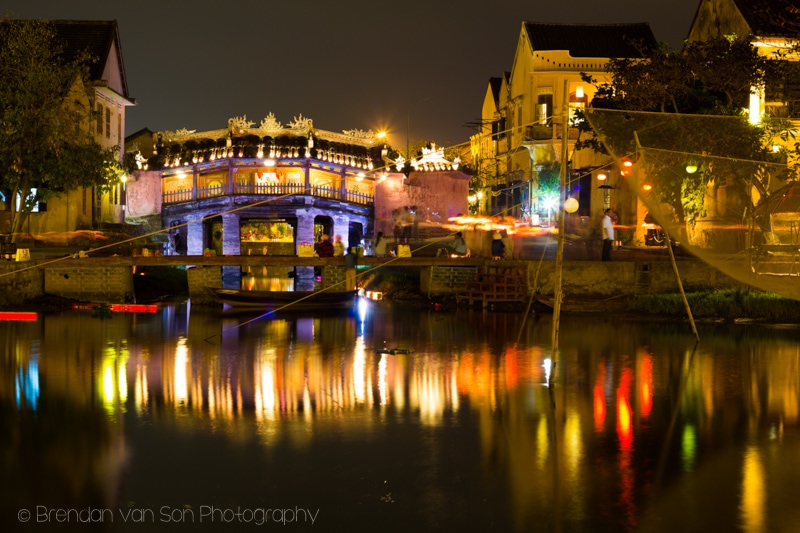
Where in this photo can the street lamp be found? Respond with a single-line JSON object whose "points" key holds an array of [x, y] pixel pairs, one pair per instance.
{"points": [[549, 202]]}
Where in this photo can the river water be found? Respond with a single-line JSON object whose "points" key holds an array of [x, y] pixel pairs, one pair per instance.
{"points": [[190, 418]]}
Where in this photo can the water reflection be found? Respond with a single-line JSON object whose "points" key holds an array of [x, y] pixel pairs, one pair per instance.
{"points": [[642, 429]]}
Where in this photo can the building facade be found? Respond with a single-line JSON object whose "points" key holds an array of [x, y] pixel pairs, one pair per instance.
{"points": [[264, 189], [773, 28], [274, 189], [106, 94], [527, 122]]}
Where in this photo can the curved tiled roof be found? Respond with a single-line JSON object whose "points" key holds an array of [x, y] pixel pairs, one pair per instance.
{"points": [[96, 37], [592, 40], [771, 18]]}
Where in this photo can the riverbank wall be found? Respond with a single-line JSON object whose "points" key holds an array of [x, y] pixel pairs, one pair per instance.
{"points": [[105, 281]]}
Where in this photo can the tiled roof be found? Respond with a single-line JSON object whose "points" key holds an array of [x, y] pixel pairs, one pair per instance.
{"points": [[592, 40], [496, 84], [94, 36], [771, 18]]}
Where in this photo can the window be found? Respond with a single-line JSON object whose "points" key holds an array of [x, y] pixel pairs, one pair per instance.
{"points": [[99, 119], [39, 207], [544, 109], [108, 123], [499, 129], [573, 107], [519, 119], [577, 101]]}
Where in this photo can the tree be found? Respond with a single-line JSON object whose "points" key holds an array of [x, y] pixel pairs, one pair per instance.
{"points": [[46, 145], [686, 106], [549, 179]]}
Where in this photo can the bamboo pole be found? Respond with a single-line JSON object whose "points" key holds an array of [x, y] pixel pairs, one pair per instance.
{"points": [[680, 285], [671, 257], [557, 295]]}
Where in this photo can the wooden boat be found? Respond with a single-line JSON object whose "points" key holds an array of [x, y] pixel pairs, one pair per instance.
{"points": [[290, 300]]}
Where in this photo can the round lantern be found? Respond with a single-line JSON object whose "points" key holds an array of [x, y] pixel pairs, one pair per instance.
{"points": [[570, 205]]}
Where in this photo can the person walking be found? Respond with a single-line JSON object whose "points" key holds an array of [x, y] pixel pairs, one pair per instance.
{"points": [[608, 235]]}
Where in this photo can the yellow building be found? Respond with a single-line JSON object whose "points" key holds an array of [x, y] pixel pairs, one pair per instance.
{"points": [[522, 120], [772, 27], [107, 95]]}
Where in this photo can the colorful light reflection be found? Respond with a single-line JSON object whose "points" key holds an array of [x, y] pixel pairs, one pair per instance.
{"points": [[26, 385]]}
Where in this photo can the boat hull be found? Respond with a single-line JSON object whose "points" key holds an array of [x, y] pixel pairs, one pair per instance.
{"points": [[286, 300]]}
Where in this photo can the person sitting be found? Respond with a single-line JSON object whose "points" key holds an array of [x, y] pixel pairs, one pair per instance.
{"points": [[498, 247], [325, 246], [458, 246], [379, 247]]}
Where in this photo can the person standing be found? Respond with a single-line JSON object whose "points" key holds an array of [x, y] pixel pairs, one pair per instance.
{"points": [[406, 224], [325, 246], [608, 235], [396, 229], [338, 246], [498, 247]]}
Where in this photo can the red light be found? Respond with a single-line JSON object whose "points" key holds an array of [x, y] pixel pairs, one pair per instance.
{"points": [[599, 407], [18, 315], [646, 386], [624, 412], [134, 308]]}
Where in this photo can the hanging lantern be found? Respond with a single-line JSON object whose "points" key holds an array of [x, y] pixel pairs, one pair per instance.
{"points": [[570, 205]]}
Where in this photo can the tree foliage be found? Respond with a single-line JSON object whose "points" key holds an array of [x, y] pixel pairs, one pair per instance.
{"points": [[46, 145], [677, 107], [549, 179]]}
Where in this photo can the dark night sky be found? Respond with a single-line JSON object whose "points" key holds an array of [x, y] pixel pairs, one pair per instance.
{"points": [[346, 64]]}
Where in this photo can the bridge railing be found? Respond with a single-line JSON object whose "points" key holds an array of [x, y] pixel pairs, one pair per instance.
{"points": [[279, 189]]}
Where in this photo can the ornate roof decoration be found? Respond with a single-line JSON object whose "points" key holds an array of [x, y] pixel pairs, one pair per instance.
{"points": [[183, 132], [360, 134], [302, 124], [271, 139], [239, 124], [173, 136], [270, 124], [432, 160]]}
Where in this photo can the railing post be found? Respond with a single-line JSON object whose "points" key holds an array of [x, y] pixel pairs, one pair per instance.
{"points": [[194, 183]]}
